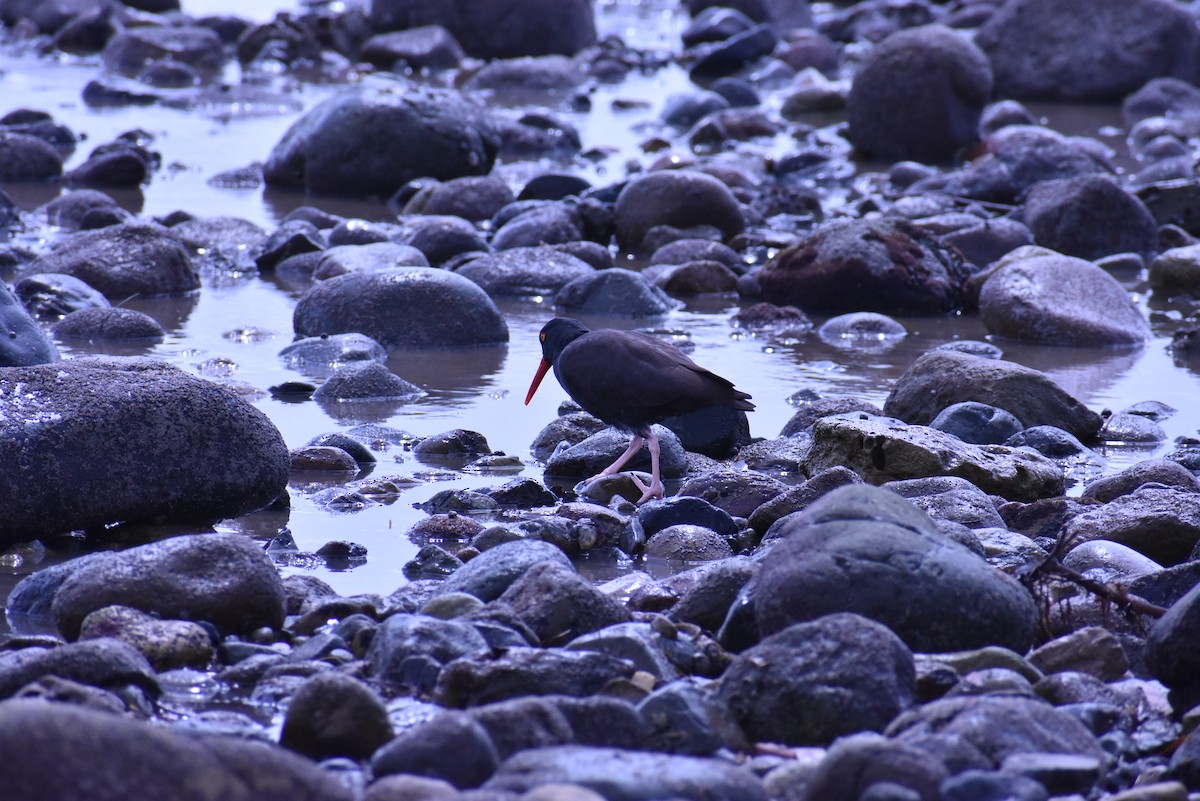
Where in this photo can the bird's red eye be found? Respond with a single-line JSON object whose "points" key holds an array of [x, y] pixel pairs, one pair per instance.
{"points": [[542, 337]]}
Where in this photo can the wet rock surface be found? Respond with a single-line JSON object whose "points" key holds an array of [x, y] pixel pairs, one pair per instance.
{"points": [[357, 567]]}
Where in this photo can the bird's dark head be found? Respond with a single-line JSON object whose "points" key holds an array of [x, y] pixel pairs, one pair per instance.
{"points": [[555, 335]]}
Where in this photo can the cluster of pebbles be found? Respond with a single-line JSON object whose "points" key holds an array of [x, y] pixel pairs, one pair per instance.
{"points": [[924, 614]]}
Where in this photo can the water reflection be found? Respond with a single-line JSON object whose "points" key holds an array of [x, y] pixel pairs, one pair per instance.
{"points": [[451, 369], [171, 312], [1082, 372]]}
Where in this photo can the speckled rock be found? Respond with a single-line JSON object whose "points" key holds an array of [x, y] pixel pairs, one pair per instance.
{"points": [[223, 579], [811, 683], [942, 377], [136, 259], [883, 449], [167, 644], [918, 95], [54, 749], [102, 440], [1107, 49], [896, 267], [1054, 299]]}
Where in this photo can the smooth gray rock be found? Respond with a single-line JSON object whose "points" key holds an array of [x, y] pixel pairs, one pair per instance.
{"points": [[410, 650], [866, 550], [518, 672], [132, 48], [334, 715], [615, 291], [104, 662], [95, 438], [980, 732], [444, 310], [488, 575], [857, 763], [525, 271], [601, 449], [22, 341], [223, 579], [1090, 217], [108, 324], [675, 198], [452, 745], [1159, 471], [977, 423], [371, 140], [558, 604]]}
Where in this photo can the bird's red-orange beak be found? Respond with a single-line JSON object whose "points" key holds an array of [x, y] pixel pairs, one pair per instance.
{"points": [[537, 380]]}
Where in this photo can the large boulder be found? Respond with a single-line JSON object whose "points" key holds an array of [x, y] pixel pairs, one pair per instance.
{"points": [[940, 378], [371, 140], [1101, 50], [1052, 299], [866, 550], [441, 309], [918, 95], [505, 29], [124, 261], [92, 441], [880, 265], [226, 580], [53, 750]]}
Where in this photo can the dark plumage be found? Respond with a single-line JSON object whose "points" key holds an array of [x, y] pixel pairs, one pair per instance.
{"points": [[630, 381]]}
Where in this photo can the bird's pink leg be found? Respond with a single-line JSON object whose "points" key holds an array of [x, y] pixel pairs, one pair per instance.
{"points": [[655, 490], [635, 445]]}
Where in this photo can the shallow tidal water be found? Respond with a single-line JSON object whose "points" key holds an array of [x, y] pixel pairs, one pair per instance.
{"points": [[235, 327]]}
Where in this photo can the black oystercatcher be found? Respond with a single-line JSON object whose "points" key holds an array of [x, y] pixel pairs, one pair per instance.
{"points": [[630, 381]]}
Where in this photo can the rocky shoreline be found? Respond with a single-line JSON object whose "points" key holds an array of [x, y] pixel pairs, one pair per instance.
{"points": [[945, 597]]}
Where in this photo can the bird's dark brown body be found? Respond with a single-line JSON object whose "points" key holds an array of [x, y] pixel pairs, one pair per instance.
{"points": [[630, 381]]}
